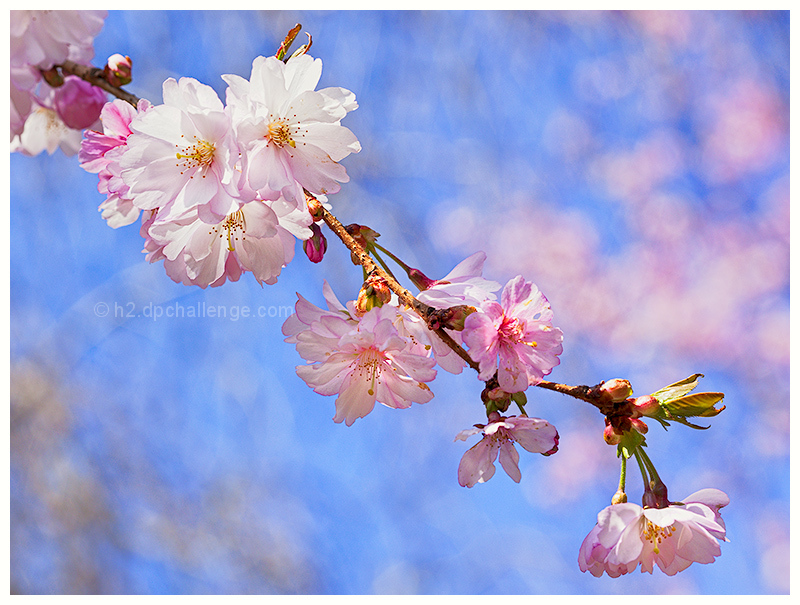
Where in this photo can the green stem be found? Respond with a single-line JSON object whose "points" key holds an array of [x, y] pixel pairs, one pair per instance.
{"points": [[622, 473], [403, 266], [380, 260], [650, 466], [637, 452]]}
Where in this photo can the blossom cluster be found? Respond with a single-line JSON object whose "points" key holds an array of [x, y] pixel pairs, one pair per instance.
{"points": [[387, 354], [222, 188], [45, 116]]}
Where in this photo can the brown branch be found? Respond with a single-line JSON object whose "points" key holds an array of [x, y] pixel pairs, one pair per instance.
{"points": [[94, 76], [403, 295]]}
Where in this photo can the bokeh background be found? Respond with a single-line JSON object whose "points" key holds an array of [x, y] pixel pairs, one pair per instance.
{"points": [[634, 165]]}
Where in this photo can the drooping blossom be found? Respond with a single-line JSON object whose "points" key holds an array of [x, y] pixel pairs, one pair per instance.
{"points": [[499, 435], [100, 154], [183, 155], [464, 285], [291, 134], [363, 361], [519, 331], [672, 538]]}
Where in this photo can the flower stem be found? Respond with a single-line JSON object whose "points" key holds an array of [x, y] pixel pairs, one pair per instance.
{"points": [[94, 76], [637, 452], [650, 466], [403, 295], [381, 261], [403, 266]]}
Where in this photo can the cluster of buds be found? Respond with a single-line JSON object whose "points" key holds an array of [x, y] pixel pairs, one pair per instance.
{"points": [[672, 403]]}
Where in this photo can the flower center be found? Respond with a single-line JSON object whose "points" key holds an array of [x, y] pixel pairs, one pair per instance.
{"points": [[369, 367], [198, 154], [512, 329], [655, 533], [232, 224], [279, 133]]}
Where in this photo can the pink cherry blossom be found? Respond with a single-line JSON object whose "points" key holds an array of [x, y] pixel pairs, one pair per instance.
{"points": [[291, 134], [464, 285], [499, 435], [45, 38], [100, 153], [78, 103], [363, 361], [673, 537], [41, 39], [45, 131], [519, 330], [183, 155], [202, 254]]}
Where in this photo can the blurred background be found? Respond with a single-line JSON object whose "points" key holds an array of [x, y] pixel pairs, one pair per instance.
{"points": [[634, 165]]}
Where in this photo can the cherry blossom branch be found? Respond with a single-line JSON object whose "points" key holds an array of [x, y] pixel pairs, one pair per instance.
{"points": [[96, 77], [404, 296], [585, 393]]}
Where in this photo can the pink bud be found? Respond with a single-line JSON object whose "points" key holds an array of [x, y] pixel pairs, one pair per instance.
{"points": [[611, 436], [646, 405], [78, 103], [117, 71], [639, 425], [315, 246], [618, 389]]}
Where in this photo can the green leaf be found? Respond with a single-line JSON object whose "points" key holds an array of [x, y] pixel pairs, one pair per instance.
{"points": [[699, 404], [677, 389], [630, 441]]}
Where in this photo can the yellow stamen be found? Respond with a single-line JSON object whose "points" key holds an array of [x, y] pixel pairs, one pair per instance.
{"points": [[198, 154], [280, 133]]}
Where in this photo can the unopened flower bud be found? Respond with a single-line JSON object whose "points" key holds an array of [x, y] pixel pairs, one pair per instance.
{"points": [[620, 497], [362, 234], [53, 77], [639, 425], [315, 246], [118, 70], [617, 389], [611, 435], [646, 405], [78, 103]]}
